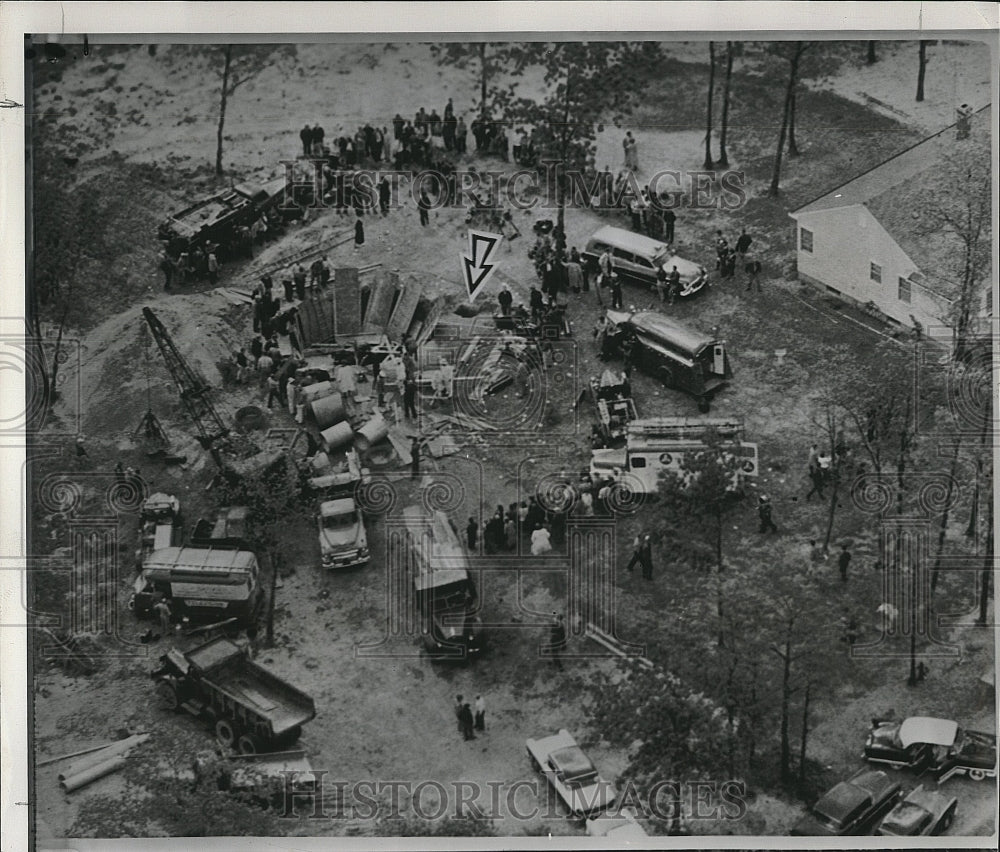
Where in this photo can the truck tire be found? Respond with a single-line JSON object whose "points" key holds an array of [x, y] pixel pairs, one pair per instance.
{"points": [[225, 732], [977, 774], [248, 744], [166, 691]]}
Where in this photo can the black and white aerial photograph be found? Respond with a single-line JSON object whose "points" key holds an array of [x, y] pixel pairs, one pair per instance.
{"points": [[508, 433]]}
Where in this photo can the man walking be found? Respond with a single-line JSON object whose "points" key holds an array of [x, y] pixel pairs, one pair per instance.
{"points": [[669, 217], [673, 285], [646, 557], [816, 475], [743, 243], [764, 512], [306, 135], [843, 561], [458, 712]]}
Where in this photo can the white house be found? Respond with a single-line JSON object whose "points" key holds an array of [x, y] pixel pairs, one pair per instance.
{"points": [[871, 240]]}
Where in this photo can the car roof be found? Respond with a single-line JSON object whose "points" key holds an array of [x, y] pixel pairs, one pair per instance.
{"points": [[620, 238], [842, 800], [659, 325], [906, 818], [337, 507], [926, 729], [572, 760]]}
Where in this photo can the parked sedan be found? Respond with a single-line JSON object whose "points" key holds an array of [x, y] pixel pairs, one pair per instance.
{"points": [[852, 807], [921, 812], [923, 743], [571, 773], [617, 827]]}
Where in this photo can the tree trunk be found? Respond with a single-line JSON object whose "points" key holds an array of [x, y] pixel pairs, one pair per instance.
{"points": [[986, 584], [921, 69], [805, 735], [711, 88], [723, 156], [831, 428], [776, 176], [483, 78], [872, 58], [222, 108], [793, 148], [53, 377], [943, 529], [564, 149], [271, 596], [786, 697]]}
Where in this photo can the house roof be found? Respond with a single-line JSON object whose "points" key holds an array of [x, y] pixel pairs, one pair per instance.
{"points": [[897, 191]]}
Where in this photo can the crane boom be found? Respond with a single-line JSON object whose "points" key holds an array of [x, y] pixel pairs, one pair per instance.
{"points": [[194, 391]]}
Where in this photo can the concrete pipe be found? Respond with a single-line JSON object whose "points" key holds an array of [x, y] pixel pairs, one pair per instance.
{"points": [[371, 433], [316, 390], [81, 779], [337, 435], [328, 410], [101, 755]]}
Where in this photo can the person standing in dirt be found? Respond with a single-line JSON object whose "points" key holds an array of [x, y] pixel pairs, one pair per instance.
{"points": [[505, 299], [167, 268], [472, 534], [636, 554], [752, 269], [480, 713], [616, 292], [299, 278], [557, 639], [410, 399], [306, 135], [764, 511], [415, 457], [359, 232], [81, 450], [646, 557], [458, 711], [673, 285], [423, 205], [162, 611], [213, 269], [669, 218], [510, 533], [743, 243], [384, 195], [466, 722], [843, 561]]}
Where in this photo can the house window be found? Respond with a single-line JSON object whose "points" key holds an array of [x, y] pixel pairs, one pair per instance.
{"points": [[806, 240], [875, 273], [904, 290]]}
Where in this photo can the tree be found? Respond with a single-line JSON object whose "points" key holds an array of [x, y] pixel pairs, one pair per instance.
{"points": [[273, 493], [695, 502], [794, 57], [492, 58], [585, 81], [711, 91], [723, 131], [921, 70], [240, 63]]}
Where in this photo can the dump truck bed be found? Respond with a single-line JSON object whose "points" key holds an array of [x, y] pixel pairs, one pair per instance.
{"points": [[223, 665]]}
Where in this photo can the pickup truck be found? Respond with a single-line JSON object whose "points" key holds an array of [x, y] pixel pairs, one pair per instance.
{"points": [[249, 707], [343, 542]]}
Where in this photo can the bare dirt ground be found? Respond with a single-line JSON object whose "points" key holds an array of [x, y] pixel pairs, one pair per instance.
{"points": [[385, 712]]}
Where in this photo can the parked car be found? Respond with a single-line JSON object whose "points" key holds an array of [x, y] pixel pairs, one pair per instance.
{"points": [[343, 541], [851, 807], [921, 812], [940, 746], [571, 773], [617, 827], [639, 258]]}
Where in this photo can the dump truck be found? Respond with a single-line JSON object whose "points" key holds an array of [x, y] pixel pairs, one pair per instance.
{"points": [[250, 708]]}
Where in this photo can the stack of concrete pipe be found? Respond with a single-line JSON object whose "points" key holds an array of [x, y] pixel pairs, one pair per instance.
{"points": [[98, 763]]}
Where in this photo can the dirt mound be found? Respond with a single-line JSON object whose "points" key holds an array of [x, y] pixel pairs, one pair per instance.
{"points": [[122, 371]]}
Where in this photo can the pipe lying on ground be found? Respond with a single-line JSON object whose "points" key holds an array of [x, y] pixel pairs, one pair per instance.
{"points": [[81, 779]]}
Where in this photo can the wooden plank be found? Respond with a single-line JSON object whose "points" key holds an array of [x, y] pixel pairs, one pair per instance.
{"points": [[433, 317], [347, 297], [402, 316], [315, 321], [380, 304]]}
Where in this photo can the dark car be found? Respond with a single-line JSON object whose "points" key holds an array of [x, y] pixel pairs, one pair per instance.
{"points": [[921, 812], [940, 746], [852, 807]]}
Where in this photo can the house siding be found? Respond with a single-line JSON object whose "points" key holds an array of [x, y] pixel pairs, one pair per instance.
{"points": [[846, 241]]}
